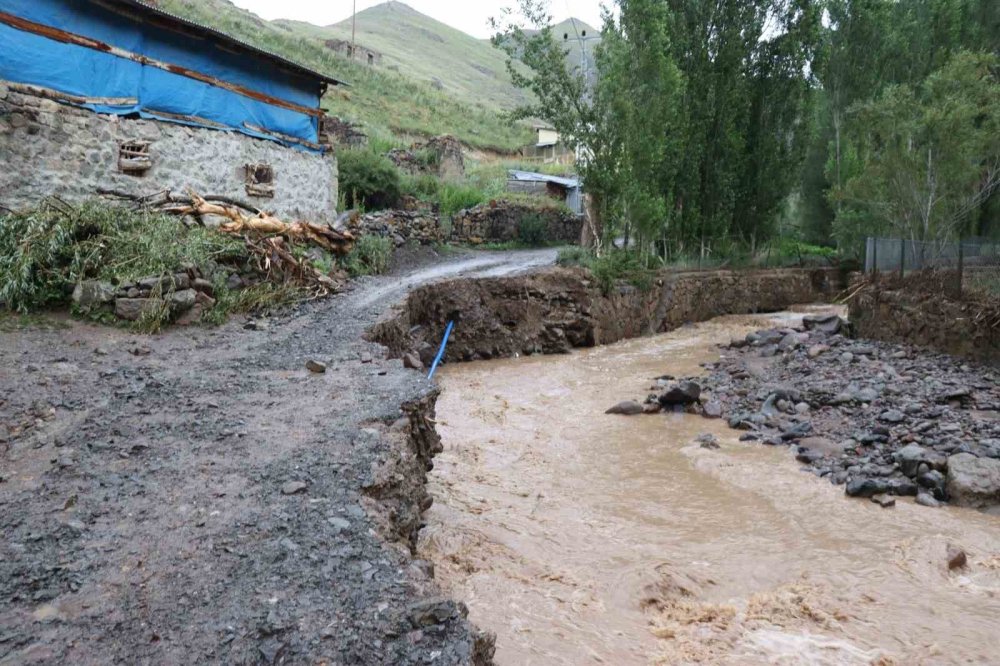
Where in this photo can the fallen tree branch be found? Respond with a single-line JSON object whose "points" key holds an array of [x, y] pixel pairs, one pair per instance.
{"points": [[159, 199]]}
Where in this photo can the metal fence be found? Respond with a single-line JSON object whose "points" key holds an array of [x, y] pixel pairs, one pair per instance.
{"points": [[971, 265]]}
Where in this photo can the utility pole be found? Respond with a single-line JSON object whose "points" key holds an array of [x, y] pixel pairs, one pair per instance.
{"points": [[354, 30]]}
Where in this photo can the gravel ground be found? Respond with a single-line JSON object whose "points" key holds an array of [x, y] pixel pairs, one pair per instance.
{"points": [[201, 497]]}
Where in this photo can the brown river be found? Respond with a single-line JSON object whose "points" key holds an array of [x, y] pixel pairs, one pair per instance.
{"points": [[583, 538]]}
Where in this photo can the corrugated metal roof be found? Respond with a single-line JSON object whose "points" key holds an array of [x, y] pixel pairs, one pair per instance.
{"points": [[147, 10], [531, 176]]}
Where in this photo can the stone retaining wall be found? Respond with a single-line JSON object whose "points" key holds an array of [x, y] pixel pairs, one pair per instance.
{"points": [[48, 148], [500, 222], [969, 330], [556, 310], [401, 226]]}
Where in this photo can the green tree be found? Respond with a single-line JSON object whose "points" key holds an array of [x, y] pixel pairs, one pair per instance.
{"points": [[928, 154]]}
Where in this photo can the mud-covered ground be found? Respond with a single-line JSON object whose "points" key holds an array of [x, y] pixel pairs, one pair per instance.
{"points": [[201, 497]]}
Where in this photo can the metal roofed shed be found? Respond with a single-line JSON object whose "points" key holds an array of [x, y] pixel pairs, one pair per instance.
{"points": [[567, 190]]}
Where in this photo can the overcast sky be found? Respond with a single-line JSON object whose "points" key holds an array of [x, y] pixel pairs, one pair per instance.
{"points": [[469, 16]]}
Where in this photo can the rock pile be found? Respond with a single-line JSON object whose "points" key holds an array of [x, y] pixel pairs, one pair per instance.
{"points": [[875, 417], [500, 222], [187, 294], [401, 226]]}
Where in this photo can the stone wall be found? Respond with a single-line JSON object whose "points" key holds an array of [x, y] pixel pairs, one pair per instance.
{"points": [[969, 330], [48, 148], [440, 156], [401, 226], [499, 222], [556, 310]]}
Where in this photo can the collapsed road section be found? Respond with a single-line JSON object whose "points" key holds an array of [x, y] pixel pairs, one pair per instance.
{"points": [[202, 497]]}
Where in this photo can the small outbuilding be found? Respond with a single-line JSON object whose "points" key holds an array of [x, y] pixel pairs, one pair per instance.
{"points": [[567, 190], [121, 95]]}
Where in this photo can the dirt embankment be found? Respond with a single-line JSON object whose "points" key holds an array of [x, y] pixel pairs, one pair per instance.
{"points": [[967, 329], [556, 310]]}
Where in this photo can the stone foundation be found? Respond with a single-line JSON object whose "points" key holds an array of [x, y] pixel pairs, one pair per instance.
{"points": [[52, 149]]}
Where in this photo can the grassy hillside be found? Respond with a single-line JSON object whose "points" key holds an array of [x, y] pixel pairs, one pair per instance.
{"points": [[383, 101], [428, 51]]}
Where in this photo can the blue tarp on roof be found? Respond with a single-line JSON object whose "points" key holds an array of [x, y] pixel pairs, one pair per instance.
{"points": [[77, 70]]}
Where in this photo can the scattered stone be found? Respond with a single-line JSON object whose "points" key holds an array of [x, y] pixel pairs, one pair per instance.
{"points": [[315, 366], [973, 481], [866, 487], [892, 416], [910, 458], [366, 357], [93, 293], [293, 487], [957, 558], [412, 361], [926, 499], [712, 409], [183, 300], [884, 501], [626, 408], [431, 612], [708, 441], [829, 324], [130, 309], [817, 350], [683, 393]]}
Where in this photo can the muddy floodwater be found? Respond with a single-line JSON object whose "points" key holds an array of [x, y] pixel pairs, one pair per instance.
{"points": [[583, 538]]}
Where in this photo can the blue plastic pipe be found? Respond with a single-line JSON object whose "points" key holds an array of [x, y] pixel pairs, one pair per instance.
{"points": [[444, 344]]}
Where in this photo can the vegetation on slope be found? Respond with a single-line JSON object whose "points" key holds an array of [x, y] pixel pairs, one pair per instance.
{"points": [[428, 51], [385, 103]]}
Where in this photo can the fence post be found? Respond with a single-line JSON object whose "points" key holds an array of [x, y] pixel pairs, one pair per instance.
{"points": [[961, 261], [902, 257], [875, 256]]}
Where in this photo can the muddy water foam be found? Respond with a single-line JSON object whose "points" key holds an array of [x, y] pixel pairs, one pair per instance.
{"points": [[585, 538]]}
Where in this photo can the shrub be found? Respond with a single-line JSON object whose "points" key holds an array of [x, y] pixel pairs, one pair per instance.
{"points": [[620, 265], [532, 229], [454, 197], [368, 180], [423, 187], [370, 256], [45, 251], [574, 256]]}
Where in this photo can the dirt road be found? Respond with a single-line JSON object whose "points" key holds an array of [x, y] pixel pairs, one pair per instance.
{"points": [[201, 497]]}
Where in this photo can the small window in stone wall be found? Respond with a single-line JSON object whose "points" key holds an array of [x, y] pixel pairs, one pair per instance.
{"points": [[260, 180], [133, 157]]}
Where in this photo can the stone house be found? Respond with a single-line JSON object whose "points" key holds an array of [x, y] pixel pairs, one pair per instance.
{"points": [[370, 57], [120, 95], [548, 147]]}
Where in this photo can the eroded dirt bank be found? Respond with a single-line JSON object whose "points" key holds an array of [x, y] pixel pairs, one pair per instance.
{"points": [[581, 537], [556, 310], [200, 497]]}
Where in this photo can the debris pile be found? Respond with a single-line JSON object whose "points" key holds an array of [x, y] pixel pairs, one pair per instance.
{"points": [[268, 239], [877, 418]]}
